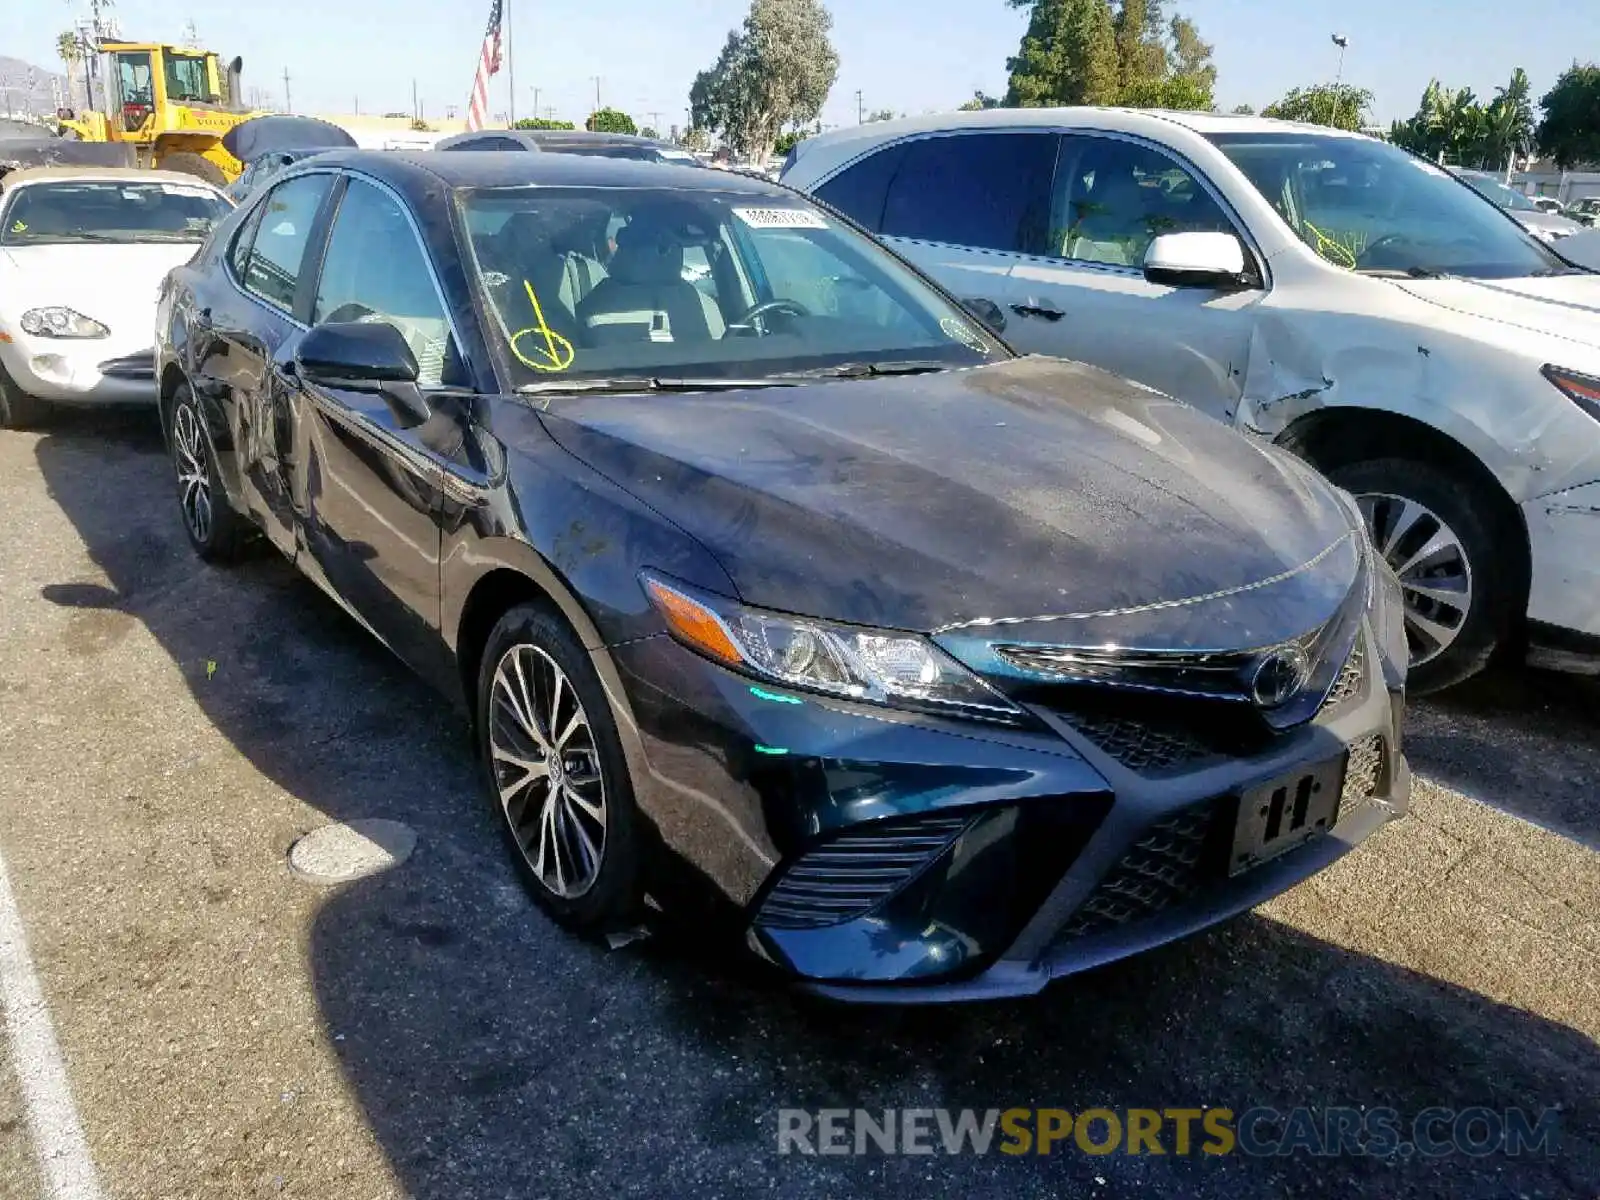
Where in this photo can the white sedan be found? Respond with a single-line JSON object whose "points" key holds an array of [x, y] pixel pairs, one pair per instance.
{"points": [[1325, 290], [83, 252]]}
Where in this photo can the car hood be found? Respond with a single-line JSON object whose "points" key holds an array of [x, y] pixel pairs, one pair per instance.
{"points": [[1035, 488], [116, 285], [1567, 306]]}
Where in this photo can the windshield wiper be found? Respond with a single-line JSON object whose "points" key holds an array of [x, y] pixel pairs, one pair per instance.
{"points": [[867, 370], [1427, 273], [623, 385]]}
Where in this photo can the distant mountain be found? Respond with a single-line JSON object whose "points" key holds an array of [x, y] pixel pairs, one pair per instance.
{"points": [[25, 88]]}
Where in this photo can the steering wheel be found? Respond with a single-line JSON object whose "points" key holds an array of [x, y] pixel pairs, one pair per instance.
{"points": [[756, 318]]}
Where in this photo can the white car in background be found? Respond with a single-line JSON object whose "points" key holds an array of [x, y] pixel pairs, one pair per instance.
{"points": [[83, 251], [1328, 291]]}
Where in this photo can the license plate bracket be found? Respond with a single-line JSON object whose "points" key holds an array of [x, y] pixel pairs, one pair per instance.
{"points": [[1286, 812]]}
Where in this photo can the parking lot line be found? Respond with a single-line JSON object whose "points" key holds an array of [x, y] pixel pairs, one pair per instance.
{"points": [[58, 1140]]}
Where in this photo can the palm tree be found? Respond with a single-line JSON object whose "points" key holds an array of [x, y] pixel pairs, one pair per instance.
{"points": [[70, 50], [1512, 114]]}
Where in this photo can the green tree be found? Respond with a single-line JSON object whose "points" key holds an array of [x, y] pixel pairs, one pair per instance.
{"points": [[788, 141], [1068, 55], [1511, 118], [696, 139], [882, 114], [1244, 110], [1337, 105], [609, 120], [1570, 130], [980, 103], [1174, 92], [542, 123], [70, 50], [774, 71], [1141, 50], [1191, 54]]}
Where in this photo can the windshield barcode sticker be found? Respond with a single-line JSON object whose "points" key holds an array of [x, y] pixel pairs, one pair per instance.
{"points": [[780, 218]]}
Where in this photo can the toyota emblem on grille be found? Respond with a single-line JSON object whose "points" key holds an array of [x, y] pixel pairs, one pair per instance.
{"points": [[1278, 677]]}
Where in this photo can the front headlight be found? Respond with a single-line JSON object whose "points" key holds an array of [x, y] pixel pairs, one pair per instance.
{"points": [[61, 323], [880, 666]]}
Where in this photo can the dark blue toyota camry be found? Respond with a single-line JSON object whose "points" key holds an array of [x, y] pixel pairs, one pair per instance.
{"points": [[747, 548]]}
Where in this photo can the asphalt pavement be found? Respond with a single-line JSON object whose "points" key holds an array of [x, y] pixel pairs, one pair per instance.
{"points": [[168, 729]]}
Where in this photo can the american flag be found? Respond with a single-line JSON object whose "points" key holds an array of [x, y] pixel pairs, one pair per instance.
{"points": [[488, 66]]}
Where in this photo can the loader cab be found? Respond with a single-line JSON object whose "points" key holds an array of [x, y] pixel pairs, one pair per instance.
{"points": [[147, 79]]}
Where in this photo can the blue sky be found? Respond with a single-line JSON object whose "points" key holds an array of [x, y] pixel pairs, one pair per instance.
{"points": [[909, 57]]}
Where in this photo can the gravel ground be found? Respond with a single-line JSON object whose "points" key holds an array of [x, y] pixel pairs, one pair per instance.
{"points": [[168, 729]]}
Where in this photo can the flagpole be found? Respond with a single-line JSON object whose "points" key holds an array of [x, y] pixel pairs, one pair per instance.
{"points": [[511, 70]]}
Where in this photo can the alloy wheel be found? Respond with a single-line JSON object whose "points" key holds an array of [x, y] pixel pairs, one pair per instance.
{"points": [[547, 771], [194, 475], [1435, 572]]}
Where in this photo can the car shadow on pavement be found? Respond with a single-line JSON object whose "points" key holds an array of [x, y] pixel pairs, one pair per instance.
{"points": [[495, 1056], [1524, 741]]}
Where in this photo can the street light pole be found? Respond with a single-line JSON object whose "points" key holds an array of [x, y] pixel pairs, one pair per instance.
{"points": [[1343, 42]]}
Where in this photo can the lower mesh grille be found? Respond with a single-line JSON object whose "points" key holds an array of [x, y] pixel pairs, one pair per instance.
{"points": [[849, 875], [1364, 776], [1162, 868]]}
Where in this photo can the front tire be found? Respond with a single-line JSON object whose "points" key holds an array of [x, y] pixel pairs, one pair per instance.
{"points": [[216, 532], [194, 164], [1439, 534], [18, 410], [556, 772]]}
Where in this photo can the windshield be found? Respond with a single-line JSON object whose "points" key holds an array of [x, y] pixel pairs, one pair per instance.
{"points": [[106, 211], [1492, 189], [647, 282], [187, 79], [1368, 206]]}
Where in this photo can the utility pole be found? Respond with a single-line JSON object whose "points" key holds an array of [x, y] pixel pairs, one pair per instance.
{"points": [[536, 104], [511, 70], [288, 103], [861, 109], [596, 79], [416, 107]]}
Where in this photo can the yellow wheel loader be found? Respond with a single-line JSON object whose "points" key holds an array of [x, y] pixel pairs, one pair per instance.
{"points": [[169, 104]]}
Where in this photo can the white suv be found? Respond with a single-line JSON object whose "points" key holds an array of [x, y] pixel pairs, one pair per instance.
{"points": [[1325, 290]]}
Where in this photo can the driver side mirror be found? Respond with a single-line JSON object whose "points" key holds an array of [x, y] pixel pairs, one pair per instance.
{"points": [[1203, 260], [987, 311], [364, 356]]}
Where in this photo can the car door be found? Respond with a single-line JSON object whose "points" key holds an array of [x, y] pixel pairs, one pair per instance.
{"points": [[965, 206], [369, 487], [1087, 297], [245, 328]]}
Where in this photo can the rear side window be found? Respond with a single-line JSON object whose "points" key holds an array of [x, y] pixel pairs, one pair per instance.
{"points": [[272, 270], [859, 190], [988, 190]]}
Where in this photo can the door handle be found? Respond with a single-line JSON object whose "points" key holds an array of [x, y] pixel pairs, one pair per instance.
{"points": [[1036, 310]]}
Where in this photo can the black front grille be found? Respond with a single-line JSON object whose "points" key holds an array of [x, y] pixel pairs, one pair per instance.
{"points": [[1163, 868], [1140, 745], [1351, 676], [848, 876]]}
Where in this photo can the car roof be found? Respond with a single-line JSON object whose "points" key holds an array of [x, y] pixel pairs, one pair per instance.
{"points": [[100, 175], [1156, 123], [552, 137], [412, 172]]}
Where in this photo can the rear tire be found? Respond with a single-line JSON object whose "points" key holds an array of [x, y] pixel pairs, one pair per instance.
{"points": [[215, 530], [18, 410], [556, 774], [1464, 588], [194, 164]]}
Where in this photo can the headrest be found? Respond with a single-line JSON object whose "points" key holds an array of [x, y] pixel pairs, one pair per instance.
{"points": [[647, 253]]}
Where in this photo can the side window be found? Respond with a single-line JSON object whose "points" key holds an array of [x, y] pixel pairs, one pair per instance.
{"points": [[376, 270], [989, 190], [282, 230], [860, 189], [239, 256], [1113, 198]]}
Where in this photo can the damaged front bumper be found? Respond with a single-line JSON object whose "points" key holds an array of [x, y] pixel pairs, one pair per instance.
{"points": [[1564, 598]]}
